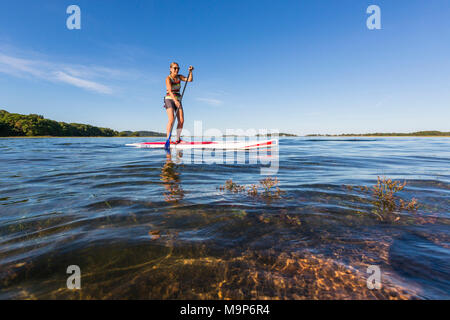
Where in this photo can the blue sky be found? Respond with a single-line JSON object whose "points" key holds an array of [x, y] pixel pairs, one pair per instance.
{"points": [[297, 66]]}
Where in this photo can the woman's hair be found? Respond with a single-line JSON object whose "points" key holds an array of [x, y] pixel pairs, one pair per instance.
{"points": [[172, 64]]}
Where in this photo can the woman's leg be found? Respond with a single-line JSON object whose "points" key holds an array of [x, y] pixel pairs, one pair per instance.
{"points": [[171, 120], [180, 117]]}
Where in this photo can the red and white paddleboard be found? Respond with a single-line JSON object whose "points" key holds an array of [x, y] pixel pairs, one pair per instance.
{"points": [[234, 145]]}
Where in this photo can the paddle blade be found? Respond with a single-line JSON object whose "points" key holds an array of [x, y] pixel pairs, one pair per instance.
{"points": [[167, 145]]}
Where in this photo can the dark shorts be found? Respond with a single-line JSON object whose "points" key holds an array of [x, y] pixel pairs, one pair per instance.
{"points": [[169, 103]]}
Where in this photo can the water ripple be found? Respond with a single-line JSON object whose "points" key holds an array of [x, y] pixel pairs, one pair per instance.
{"points": [[142, 225]]}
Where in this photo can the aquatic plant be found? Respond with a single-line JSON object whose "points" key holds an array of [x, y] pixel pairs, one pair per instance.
{"points": [[286, 219], [384, 193], [154, 234], [385, 199], [231, 186], [268, 183], [253, 190]]}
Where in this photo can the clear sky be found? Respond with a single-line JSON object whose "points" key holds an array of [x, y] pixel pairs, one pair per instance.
{"points": [[297, 66]]}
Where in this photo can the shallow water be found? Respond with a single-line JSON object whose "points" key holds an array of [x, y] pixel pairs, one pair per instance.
{"points": [[140, 224]]}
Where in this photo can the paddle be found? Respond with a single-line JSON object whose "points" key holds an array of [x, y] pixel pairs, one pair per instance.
{"points": [[167, 145]]}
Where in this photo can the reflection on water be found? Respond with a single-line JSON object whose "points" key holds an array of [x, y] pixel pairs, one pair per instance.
{"points": [[171, 178], [143, 224]]}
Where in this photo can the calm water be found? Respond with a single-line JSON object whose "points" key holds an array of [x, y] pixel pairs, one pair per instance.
{"points": [[140, 224]]}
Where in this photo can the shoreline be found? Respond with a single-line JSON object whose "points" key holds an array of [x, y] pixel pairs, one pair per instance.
{"points": [[40, 137], [307, 136], [378, 136]]}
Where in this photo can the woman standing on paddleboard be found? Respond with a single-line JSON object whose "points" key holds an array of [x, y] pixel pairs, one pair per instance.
{"points": [[172, 100]]}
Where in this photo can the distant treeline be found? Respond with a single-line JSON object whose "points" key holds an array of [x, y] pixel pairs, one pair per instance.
{"points": [[141, 134], [281, 134], [412, 134], [16, 125]]}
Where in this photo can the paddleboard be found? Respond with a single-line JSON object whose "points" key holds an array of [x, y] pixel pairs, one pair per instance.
{"points": [[232, 145]]}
